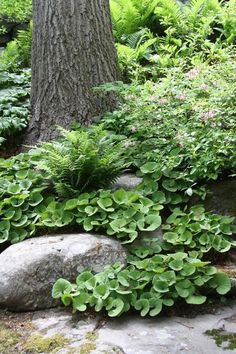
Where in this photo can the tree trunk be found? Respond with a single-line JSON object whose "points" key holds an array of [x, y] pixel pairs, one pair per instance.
{"points": [[72, 52]]}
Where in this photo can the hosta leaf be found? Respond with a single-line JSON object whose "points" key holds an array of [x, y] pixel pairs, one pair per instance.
{"points": [[35, 199], [66, 299], [101, 291], [149, 167], [143, 305], [117, 308], [120, 196], [176, 264], [161, 286], [71, 204], [154, 222], [170, 185], [157, 308], [222, 283], [171, 237], [118, 224], [105, 203], [196, 299], [14, 189], [61, 287]]}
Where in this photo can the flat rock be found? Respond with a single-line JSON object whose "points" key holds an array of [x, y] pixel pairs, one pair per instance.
{"points": [[29, 269], [131, 334], [128, 181]]}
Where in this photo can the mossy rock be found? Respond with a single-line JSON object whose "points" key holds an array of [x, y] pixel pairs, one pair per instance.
{"points": [[8, 339], [87, 348], [223, 339], [37, 343]]}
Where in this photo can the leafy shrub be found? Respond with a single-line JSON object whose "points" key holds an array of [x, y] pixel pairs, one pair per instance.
{"points": [[16, 10], [147, 284], [82, 161], [20, 191], [120, 213], [180, 132], [27, 207], [14, 103], [17, 54]]}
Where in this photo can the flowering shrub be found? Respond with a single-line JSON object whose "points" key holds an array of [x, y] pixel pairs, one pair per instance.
{"points": [[182, 128]]}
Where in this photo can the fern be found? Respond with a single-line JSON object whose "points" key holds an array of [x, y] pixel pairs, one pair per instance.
{"points": [[129, 16], [81, 161], [17, 53]]}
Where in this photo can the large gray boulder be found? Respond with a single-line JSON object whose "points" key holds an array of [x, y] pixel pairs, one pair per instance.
{"points": [[127, 181], [29, 269]]}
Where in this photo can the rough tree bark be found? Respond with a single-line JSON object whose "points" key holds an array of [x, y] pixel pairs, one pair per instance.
{"points": [[72, 51]]}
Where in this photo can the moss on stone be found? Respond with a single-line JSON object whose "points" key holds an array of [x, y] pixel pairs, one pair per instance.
{"points": [[8, 339], [87, 348], [37, 343], [223, 339], [91, 336]]}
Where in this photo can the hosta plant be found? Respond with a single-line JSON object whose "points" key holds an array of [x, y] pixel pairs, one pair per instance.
{"points": [[147, 285]]}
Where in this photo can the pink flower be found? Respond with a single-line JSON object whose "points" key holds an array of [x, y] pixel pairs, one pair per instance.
{"points": [[181, 138], [153, 98], [128, 144], [208, 115], [133, 130], [182, 97], [163, 101], [191, 74], [204, 87]]}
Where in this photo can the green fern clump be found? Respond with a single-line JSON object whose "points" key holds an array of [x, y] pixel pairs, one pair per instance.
{"points": [[82, 161], [129, 16], [17, 54]]}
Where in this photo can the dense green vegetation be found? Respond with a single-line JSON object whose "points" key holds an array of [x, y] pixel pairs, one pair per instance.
{"points": [[175, 128]]}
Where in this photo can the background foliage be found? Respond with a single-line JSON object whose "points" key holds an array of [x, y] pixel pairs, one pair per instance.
{"points": [[175, 128]]}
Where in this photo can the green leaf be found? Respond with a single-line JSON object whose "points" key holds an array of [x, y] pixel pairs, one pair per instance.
{"points": [[170, 185], [22, 222], [176, 264], [159, 197], [101, 291], [118, 224], [149, 167], [79, 302], [61, 287], [157, 308], [84, 277], [161, 286], [169, 277], [71, 204], [87, 224], [35, 199], [90, 210], [171, 237], [22, 174], [120, 196], [66, 299], [222, 283], [105, 204], [14, 189], [188, 269], [154, 222], [196, 299], [117, 307], [142, 304]]}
